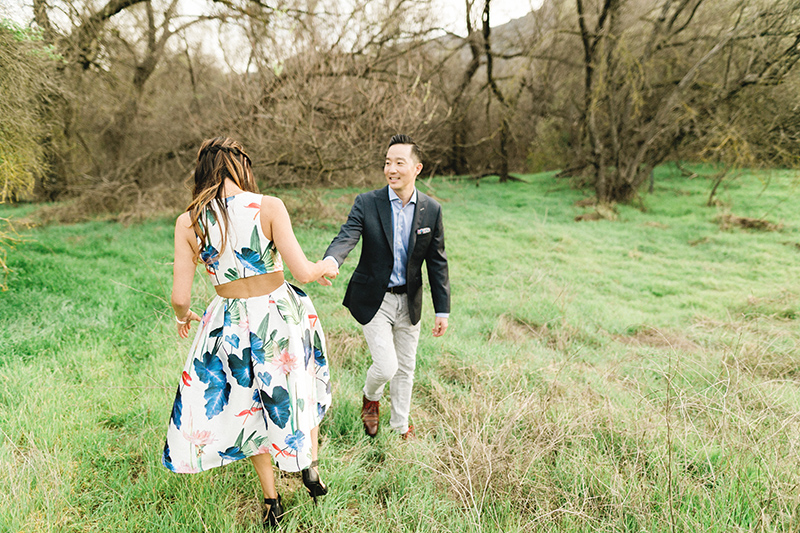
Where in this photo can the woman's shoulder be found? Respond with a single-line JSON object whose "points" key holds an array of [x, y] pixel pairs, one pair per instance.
{"points": [[271, 202], [184, 220]]}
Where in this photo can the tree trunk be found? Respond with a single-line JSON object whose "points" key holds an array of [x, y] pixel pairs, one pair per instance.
{"points": [[458, 157], [498, 94]]}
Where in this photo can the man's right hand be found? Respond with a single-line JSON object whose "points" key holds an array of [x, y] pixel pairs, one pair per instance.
{"points": [[330, 273]]}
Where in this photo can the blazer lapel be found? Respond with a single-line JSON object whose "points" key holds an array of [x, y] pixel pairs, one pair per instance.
{"points": [[417, 222], [385, 214]]}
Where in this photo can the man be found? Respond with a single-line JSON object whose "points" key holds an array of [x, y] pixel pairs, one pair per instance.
{"points": [[400, 228]]}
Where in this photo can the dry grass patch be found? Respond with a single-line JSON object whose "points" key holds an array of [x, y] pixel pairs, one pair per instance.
{"points": [[728, 221], [127, 203], [556, 456], [452, 371], [659, 338], [346, 347], [510, 328], [761, 348], [601, 212], [654, 224], [34, 479]]}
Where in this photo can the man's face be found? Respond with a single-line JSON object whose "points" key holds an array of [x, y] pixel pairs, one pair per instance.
{"points": [[401, 169]]}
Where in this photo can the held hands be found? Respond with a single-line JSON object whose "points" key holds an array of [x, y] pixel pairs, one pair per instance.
{"points": [[185, 323], [439, 326], [331, 270]]}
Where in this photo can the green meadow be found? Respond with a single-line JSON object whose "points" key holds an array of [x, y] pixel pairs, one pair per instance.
{"points": [[640, 374]]}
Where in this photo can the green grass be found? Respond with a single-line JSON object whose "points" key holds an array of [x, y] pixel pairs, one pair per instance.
{"points": [[634, 375]]}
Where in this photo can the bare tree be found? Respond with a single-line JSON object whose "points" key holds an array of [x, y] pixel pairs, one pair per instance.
{"points": [[145, 51], [321, 108], [496, 91], [655, 73], [459, 100]]}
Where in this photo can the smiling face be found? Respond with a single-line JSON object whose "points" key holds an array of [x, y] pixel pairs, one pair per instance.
{"points": [[401, 170]]}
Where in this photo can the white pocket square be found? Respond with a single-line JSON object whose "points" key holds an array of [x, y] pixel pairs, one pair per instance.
{"points": [[423, 231]]}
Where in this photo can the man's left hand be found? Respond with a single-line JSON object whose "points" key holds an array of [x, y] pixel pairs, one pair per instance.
{"points": [[439, 326]]}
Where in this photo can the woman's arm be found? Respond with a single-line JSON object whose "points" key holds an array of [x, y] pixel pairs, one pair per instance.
{"points": [[183, 273], [277, 226]]}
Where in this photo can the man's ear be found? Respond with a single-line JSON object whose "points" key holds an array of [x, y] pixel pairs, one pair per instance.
{"points": [[419, 168]]}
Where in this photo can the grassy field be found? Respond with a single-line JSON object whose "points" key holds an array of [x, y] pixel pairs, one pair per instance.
{"points": [[632, 375]]}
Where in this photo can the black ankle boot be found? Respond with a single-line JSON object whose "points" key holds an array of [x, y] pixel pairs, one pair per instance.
{"points": [[273, 512], [313, 483]]}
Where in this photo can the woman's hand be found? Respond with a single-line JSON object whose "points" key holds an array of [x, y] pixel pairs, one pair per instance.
{"points": [[330, 271], [185, 323]]}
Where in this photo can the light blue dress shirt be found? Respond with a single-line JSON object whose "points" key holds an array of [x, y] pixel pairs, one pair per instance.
{"points": [[402, 217]]}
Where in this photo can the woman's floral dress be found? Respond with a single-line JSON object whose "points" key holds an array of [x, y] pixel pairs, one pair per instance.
{"points": [[256, 379]]}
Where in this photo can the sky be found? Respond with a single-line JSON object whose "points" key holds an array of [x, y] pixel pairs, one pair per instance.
{"points": [[501, 11], [451, 10]]}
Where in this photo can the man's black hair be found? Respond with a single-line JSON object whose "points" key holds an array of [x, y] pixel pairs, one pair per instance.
{"points": [[402, 138]]}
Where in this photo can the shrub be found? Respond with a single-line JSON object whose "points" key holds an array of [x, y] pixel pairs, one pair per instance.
{"points": [[27, 71]]}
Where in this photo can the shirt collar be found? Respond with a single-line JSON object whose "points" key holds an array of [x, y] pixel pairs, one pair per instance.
{"points": [[393, 196]]}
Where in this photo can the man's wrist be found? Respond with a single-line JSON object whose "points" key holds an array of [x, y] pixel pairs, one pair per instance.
{"points": [[332, 259], [442, 315]]}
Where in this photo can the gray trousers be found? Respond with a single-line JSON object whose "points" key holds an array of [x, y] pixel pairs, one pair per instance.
{"points": [[392, 341]]}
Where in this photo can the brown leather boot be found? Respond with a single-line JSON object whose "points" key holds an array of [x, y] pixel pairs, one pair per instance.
{"points": [[370, 411]]}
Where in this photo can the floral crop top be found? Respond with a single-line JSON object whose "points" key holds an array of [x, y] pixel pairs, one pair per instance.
{"points": [[247, 251]]}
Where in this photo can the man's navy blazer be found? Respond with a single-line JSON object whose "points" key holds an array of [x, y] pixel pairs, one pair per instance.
{"points": [[371, 220]]}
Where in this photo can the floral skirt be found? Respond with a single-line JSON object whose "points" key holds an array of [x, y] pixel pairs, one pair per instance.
{"points": [[256, 381]]}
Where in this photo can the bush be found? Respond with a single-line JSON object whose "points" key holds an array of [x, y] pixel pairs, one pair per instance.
{"points": [[27, 71]]}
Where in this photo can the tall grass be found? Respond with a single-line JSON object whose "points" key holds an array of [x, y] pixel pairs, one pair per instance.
{"points": [[636, 375]]}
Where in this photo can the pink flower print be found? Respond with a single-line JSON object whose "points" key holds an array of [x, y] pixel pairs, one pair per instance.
{"points": [[313, 320], [199, 438], [206, 318], [262, 449], [186, 468], [285, 362], [187, 379], [243, 323]]}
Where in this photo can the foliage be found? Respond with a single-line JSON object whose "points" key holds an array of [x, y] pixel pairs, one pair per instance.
{"points": [[659, 74], [27, 68], [604, 90], [638, 375]]}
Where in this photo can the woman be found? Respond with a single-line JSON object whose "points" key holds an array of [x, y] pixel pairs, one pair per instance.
{"points": [[256, 379]]}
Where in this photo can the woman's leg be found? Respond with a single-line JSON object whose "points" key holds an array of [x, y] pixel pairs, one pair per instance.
{"points": [[311, 477], [263, 465], [314, 442]]}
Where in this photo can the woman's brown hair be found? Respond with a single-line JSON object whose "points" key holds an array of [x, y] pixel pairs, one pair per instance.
{"points": [[218, 158]]}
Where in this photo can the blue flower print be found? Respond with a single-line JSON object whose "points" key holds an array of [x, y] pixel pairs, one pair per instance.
{"points": [[250, 259], [166, 460], [278, 406], [295, 440], [232, 454], [233, 340], [210, 257], [177, 407]]}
